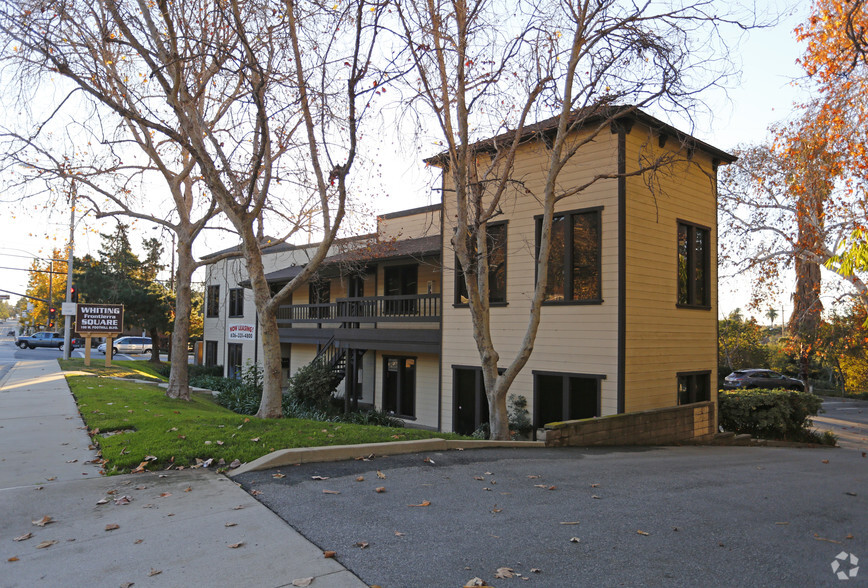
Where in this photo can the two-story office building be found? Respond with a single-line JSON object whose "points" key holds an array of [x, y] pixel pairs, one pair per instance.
{"points": [[629, 320]]}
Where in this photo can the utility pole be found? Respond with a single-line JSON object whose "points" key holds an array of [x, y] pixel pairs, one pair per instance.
{"points": [[67, 320]]}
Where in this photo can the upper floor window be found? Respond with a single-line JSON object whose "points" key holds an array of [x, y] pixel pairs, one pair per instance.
{"points": [[496, 238], [694, 260], [319, 295], [236, 302], [212, 301], [574, 270]]}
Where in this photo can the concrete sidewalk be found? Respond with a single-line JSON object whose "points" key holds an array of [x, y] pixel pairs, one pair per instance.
{"points": [[188, 528]]}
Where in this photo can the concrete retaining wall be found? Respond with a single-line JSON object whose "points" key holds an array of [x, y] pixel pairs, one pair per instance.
{"points": [[662, 426]]}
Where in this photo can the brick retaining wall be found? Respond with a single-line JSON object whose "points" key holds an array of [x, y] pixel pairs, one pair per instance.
{"points": [[662, 426]]}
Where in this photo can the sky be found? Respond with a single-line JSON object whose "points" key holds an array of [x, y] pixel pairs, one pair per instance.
{"points": [[742, 114]]}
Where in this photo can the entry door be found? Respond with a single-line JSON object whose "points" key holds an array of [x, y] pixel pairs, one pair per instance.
{"points": [[399, 385], [471, 405], [401, 280], [233, 364]]}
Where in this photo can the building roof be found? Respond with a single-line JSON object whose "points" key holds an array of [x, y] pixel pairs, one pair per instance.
{"points": [[412, 211], [390, 249], [592, 114]]}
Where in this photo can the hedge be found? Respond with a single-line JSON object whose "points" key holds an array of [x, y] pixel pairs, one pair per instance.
{"points": [[769, 414]]}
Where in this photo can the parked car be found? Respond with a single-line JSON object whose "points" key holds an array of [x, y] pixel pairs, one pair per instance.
{"points": [[761, 378], [128, 345], [44, 339]]}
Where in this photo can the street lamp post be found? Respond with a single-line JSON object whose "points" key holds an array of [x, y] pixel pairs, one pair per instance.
{"points": [[67, 320]]}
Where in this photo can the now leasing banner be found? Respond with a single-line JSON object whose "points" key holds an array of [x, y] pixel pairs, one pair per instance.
{"points": [[241, 332]]}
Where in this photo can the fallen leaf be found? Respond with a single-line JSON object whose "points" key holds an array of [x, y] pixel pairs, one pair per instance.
{"points": [[595, 485], [51, 479], [23, 537], [535, 571], [138, 541], [850, 536], [595, 496], [487, 489], [45, 544], [488, 474], [360, 479], [255, 492], [381, 475], [188, 489], [230, 524], [533, 476], [825, 461], [480, 478], [539, 486], [361, 544], [235, 463], [150, 458], [102, 501], [472, 582], [850, 493], [112, 527], [423, 503], [818, 538], [71, 460], [219, 442], [123, 500], [43, 521], [165, 494], [502, 573], [302, 581], [13, 558], [496, 510], [643, 533], [154, 572], [329, 554], [239, 507], [399, 534], [256, 439], [428, 460], [127, 584], [319, 477], [574, 540], [235, 545], [569, 522], [331, 492]]}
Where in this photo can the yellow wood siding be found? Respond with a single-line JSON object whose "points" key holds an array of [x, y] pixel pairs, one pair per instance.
{"points": [[411, 226], [571, 338], [427, 383], [662, 339]]}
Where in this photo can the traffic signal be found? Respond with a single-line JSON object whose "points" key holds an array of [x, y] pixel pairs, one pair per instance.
{"points": [[52, 313], [73, 294]]}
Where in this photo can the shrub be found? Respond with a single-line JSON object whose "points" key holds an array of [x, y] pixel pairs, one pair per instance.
{"points": [[770, 414], [312, 386], [520, 425], [242, 396], [193, 371]]}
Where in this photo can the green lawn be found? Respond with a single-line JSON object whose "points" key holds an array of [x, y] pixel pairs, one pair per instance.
{"points": [[137, 420], [126, 368]]}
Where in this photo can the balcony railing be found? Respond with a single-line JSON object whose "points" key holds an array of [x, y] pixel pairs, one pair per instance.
{"points": [[369, 309]]}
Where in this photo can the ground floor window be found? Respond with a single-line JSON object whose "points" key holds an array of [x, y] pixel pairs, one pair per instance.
{"points": [[210, 353], [470, 405], [564, 397], [694, 387], [233, 361], [399, 386]]}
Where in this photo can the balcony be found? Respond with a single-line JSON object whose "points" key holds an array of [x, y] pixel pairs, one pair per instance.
{"points": [[409, 323], [369, 309]]}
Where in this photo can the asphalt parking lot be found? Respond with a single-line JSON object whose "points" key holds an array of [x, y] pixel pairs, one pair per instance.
{"points": [[671, 516]]}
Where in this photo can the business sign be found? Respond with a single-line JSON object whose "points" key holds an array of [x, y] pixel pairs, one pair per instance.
{"points": [[241, 332], [99, 318]]}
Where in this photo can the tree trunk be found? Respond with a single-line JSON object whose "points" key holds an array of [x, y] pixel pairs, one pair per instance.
{"points": [[179, 385], [155, 345]]}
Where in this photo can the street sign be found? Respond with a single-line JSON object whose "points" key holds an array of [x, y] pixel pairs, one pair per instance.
{"points": [[67, 308], [4, 296], [99, 318]]}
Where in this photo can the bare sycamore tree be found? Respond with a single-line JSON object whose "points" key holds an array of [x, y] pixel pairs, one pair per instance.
{"points": [[258, 98], [587, 65], [115, 180]]}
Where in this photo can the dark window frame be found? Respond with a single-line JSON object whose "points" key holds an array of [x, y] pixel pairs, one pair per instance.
{"points": [[460, 286], [566, 376], [568, 216], [233, 370], [399, 412], [236, 302], [693, 391], [685, 294], [319, 292], [210, 358], [212, 301]]}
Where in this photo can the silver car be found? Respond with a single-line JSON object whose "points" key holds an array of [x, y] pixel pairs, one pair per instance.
{"points": [[128, 345]]}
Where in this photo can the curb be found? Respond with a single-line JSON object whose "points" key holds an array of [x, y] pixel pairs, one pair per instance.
{"points": [[298, 455]]}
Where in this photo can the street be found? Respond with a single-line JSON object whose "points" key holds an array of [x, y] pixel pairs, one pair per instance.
{"points": [[846, 418]]}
